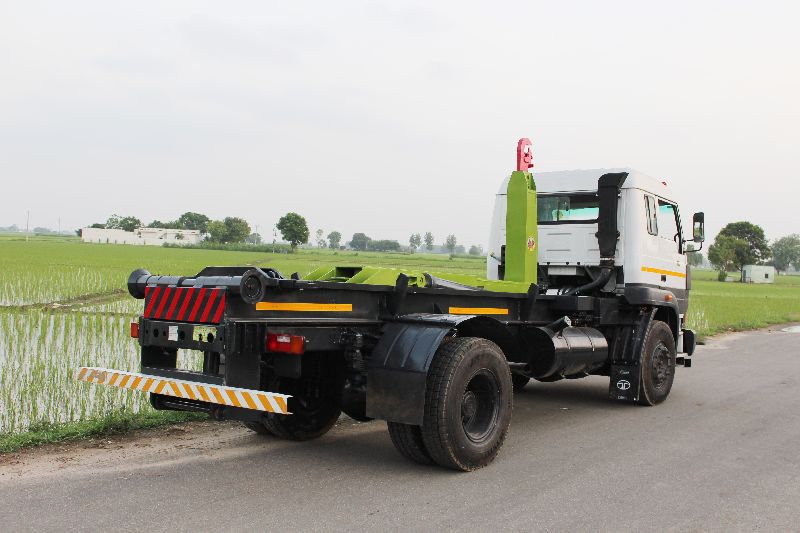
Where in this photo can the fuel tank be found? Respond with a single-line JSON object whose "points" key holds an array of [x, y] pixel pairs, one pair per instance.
{"points": [[562, 351]]}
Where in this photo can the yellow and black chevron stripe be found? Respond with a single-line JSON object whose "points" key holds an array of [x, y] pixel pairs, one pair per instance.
{"points": [[271, 402]]}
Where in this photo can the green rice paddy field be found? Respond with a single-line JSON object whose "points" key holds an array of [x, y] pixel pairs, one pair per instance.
{"points": [[63, 304]]}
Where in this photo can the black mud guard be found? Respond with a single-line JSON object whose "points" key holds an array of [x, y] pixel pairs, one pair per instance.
{"points": [[626, 357], [398, 365]]}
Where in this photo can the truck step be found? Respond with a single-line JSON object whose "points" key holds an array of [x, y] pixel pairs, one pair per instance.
{"points": [[256, 400]]}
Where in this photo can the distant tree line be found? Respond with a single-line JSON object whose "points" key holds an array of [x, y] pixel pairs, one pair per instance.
{"points": [[293, 228]]}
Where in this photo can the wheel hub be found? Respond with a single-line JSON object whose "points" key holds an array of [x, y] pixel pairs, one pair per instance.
{"points": [[469, 406], [660, 368], [480, 406]]}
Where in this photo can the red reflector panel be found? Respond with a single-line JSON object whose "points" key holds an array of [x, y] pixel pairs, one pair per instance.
{"points": [[282, 343], [184, 304], [134, 330]]}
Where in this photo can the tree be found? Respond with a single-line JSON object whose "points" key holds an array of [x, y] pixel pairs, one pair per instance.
{"points": [[415, 241], [757, 250], [384, 245], [129, 223], [320, 241], [294, 229], [334, 238], [429, 240], [237, 229], [123, 223], [450, 243], [156, 224], [726, 252], [196, 221], [98, 225], [217, 231], [476, 250], [253, 238], [786, 251], [695, 258], [359, 241], [113, 222]]}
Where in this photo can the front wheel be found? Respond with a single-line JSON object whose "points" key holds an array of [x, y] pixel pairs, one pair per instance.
{"points": [[468, 403], [658, 364]]}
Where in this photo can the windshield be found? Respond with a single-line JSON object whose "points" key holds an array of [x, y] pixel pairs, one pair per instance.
{"points": [[554, 209]]}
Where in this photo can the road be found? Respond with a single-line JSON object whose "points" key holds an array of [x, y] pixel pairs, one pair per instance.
{"points": [[722, 454]]}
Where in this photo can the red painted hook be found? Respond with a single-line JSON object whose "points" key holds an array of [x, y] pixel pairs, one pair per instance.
{"points": [[524, 155]]}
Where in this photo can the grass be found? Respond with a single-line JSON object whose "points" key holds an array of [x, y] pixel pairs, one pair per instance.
{"points": [[63, 304], [111, 424], [716, 307]]}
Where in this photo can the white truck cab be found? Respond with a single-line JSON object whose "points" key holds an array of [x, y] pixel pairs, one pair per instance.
{"points": [[651, 248]]}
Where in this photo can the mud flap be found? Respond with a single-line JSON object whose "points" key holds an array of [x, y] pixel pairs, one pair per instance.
{"points": [[626, 358]]}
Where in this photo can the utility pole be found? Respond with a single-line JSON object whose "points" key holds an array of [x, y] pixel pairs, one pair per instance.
{"points": [[27, 225]]}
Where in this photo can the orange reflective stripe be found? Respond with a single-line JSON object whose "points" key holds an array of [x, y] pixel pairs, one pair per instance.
{"points": [[663, 272], [234, 399], [203, 395], [250, 403], [281, 401], [218, 396], [187, 389]]}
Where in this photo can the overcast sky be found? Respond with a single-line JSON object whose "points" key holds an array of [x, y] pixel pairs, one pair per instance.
{"points": [[390, 118]]}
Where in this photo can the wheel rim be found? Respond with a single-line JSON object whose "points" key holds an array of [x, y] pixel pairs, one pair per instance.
{"points": [[660, 367], [480, 406]]}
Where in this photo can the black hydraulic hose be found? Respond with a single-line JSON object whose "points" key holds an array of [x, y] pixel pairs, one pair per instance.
{"points": [[601, 280]]}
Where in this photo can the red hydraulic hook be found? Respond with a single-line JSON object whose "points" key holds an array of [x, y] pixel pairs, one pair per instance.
{"points": [[524, 155]]}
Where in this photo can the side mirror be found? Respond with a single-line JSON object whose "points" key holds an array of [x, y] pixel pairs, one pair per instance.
{"points": [[699, 227]]}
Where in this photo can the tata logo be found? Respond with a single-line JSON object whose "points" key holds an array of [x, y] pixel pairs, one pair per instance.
{"points": [[623, 384]]}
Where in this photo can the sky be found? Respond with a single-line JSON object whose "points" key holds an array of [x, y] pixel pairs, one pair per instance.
{"points": [[390, 118]]}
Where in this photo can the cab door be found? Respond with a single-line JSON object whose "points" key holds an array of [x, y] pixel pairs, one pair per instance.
{"points": [[672, 261]]}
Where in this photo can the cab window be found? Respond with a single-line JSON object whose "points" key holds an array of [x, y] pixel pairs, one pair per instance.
{"points": [[575, 208], [668, 222], [651, 214]]}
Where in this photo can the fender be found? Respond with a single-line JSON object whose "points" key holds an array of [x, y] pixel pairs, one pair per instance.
{"points": [[626, 357], [398, 365], [670, 303]]}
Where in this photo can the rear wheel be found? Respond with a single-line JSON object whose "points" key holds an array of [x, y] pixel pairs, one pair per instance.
{"points": [[468, 402], [407, 439], [658, 364], [314, 411]]}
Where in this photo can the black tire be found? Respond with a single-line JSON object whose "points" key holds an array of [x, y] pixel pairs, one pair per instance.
{"points": [[407, 439], [306, 422], [258, 427], [311, 418], [519, 381], [468, 404], [658, 364]]}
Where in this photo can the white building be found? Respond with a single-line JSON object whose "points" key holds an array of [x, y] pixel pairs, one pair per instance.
{"points": [[758, 274], [145, 236]]}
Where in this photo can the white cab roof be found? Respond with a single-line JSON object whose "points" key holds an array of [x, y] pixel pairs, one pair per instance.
{"points": [[586, 181]]}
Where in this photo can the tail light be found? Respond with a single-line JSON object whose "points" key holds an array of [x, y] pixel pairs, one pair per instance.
{"points": [[134, 330], [283, 343]]}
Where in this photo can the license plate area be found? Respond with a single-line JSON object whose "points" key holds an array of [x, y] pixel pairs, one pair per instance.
{"points": [[182, 335]]}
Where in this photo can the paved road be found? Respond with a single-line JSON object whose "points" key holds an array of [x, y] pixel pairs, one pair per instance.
{"points": [[723, 453]]}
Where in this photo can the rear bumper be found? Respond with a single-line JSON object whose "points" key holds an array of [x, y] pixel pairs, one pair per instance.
{"points": [[196, 392]]}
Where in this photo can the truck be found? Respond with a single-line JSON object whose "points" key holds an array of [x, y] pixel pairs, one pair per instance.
{"points": [[586, 275]]}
